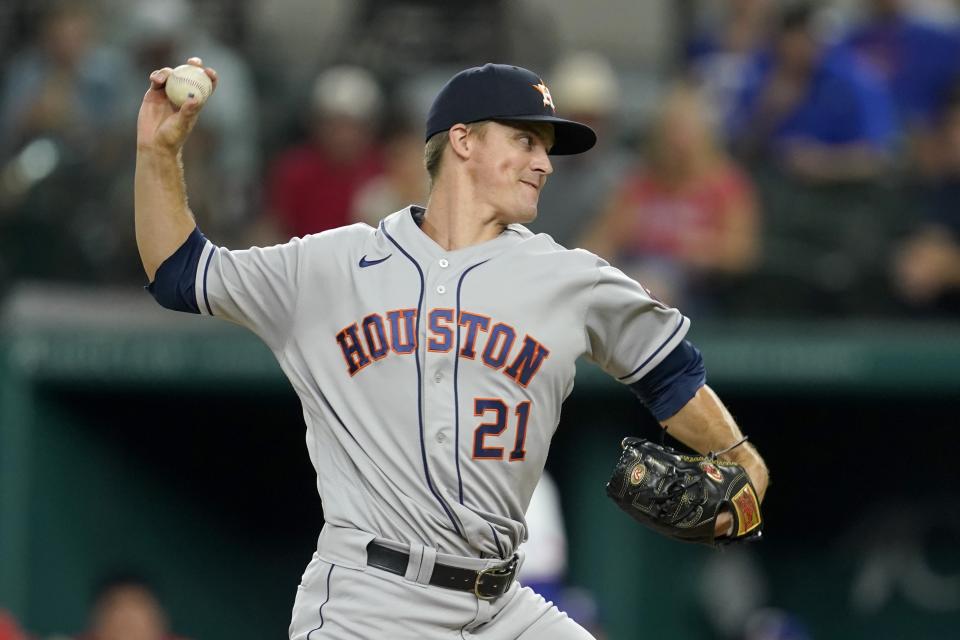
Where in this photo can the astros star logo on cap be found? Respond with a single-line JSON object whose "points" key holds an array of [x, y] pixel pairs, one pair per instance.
{"points": [[547, 99]]}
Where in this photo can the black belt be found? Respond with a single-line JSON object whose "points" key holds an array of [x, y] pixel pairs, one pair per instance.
{"points": [[486, 584]]}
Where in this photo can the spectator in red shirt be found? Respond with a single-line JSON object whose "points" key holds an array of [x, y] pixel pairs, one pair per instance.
{"points": [[686, 218], [311, 186], [403, 181]]}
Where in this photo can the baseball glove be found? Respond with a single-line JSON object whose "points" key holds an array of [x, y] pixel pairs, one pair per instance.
{"points": [[680, 496]]}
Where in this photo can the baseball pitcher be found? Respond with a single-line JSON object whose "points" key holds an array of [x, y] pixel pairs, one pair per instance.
{"points": [[432, 355]]}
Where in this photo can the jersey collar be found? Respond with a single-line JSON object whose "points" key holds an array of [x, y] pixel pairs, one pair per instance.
{"points": [[403, 227]]}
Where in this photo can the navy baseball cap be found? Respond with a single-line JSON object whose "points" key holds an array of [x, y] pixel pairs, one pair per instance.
{"points": [[505, 92]]}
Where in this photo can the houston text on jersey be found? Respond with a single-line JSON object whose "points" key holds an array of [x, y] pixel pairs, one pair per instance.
{"points": [[377, 335]]}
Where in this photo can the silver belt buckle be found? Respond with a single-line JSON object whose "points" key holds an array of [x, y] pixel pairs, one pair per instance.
{"points": [[506, 569]]}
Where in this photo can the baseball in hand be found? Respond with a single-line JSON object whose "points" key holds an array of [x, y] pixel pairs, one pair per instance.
{"points": [[188, 81]]}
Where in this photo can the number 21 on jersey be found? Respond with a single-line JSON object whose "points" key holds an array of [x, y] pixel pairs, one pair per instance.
{"points": [[496, 427]]}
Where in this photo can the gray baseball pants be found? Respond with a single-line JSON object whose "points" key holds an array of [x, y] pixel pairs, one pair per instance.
{"points": [[341, 598]]}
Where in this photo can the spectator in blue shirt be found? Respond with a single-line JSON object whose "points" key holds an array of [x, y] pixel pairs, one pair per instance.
{"points": [[917, 60], [817, 112], [722, 52]]}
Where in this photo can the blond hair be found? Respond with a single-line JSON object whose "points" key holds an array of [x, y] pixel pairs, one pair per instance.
{"points": [[437, 144]]}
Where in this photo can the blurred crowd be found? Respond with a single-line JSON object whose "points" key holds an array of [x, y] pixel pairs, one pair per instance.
{"points": [[123, 606], [782, 159], [786, 159]]}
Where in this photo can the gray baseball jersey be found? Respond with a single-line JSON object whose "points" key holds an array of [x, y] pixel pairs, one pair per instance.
{"points": [[431, 380]]}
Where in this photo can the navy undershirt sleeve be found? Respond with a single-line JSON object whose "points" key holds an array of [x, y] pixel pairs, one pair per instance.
{"points": [[672, 383], [173, 286]]}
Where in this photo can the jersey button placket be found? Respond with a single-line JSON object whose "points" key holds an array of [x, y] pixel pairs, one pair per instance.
{"points": [[438, 391], [444, 263]]}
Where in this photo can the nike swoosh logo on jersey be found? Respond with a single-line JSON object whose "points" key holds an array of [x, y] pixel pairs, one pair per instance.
{"points": [[364, 263]]}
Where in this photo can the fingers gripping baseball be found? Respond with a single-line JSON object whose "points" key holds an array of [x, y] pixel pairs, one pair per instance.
{"points": [[160, 123]]}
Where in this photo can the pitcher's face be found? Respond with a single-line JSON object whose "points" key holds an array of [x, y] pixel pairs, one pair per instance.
{"points": [[510, 167]]}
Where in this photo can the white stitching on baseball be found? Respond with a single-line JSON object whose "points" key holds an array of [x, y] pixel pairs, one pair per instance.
{"points": [[199, 87]]}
